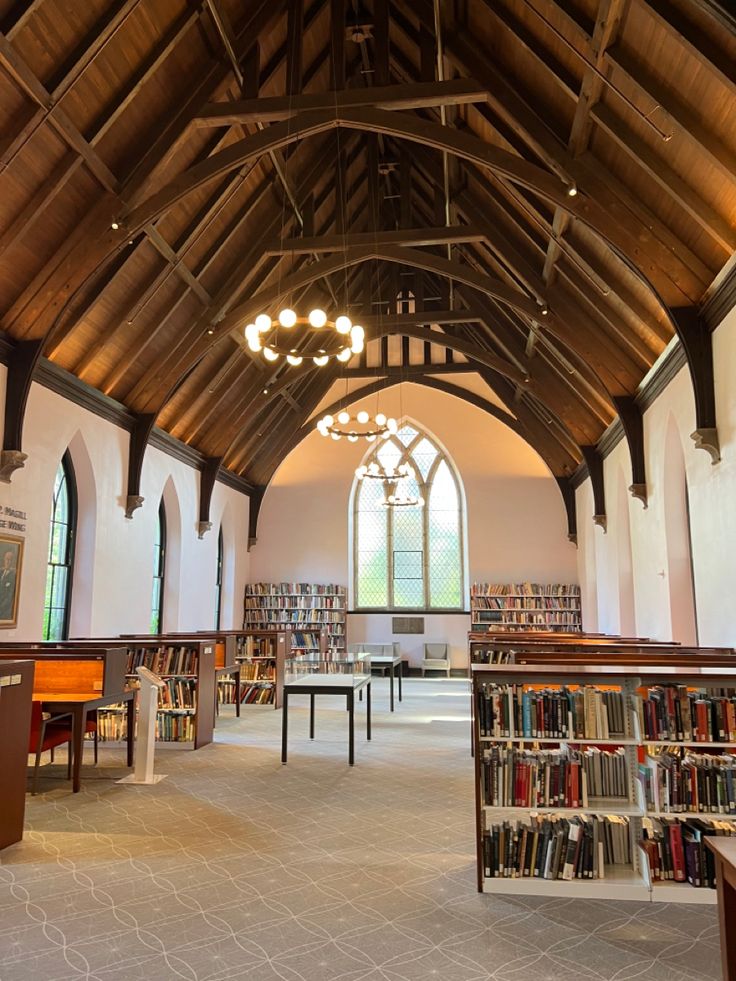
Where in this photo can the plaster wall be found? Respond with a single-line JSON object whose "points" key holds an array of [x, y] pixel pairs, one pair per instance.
{"points": [[662, 595], [113, 569], [516, 525]]}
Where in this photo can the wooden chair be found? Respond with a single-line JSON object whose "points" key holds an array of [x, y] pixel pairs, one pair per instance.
{"points": [[46, 734], [436, 658]]}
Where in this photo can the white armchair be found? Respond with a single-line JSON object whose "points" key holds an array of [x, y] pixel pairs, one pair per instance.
{"points": [[436, 658]]}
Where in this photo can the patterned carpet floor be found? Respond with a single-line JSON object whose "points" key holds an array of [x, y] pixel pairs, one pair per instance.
{"points": [[235, 867]]}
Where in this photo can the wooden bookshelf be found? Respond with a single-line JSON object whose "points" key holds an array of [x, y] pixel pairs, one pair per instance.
{"points": [[16, 694], [608, 744], [261, 655], [315, 613], [525, 607]]}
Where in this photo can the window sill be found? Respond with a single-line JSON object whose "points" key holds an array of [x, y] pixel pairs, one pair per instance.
{"points": [[411, 610]]}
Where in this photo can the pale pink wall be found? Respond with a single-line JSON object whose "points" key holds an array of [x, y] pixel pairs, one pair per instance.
{"points": [[515, 516], [712, 496], [114, 561]]}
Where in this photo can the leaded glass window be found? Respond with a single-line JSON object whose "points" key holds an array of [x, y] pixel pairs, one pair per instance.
{"points": [[409, 557], [57, 601], [218, 579], [159, 569]]}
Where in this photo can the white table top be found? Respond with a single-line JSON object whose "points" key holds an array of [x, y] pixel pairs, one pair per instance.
{"points": [[311, 680], [380, 658]]}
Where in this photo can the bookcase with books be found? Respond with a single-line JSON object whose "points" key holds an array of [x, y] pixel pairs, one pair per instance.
{"points": [[186, 702], [261, 655], [603, 782], [525, 606], [314, 613]]}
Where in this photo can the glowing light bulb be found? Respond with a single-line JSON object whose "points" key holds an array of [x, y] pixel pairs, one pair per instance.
{"points": [[362, 417], [270, 355], [357, 333], [336, 436], [352, 437], [361, 471], [294, 359], [343, 324], [345, 355], [287, 317], [317, 318], [343, 417], [370, 439], [389, 471], [328, 420], [392, 425], [380, 419], [321, 360], [357, 347], [263, 322]]}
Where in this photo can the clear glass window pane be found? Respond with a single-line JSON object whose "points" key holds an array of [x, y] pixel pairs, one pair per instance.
{"points": [[57, 594]]}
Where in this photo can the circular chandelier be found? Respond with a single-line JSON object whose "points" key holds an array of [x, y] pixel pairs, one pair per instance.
{"points": [[394, 497], [339, 338], [363, 426], [377, 471]]}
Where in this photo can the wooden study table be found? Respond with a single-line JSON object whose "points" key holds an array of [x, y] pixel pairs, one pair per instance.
{"points": [[724, 853], [79, 705], [327, 684]]}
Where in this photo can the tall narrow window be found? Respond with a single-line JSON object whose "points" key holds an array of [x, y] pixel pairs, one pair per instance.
{"points": [[218, 579], [411, 557], [159, 568], [58, 597]]}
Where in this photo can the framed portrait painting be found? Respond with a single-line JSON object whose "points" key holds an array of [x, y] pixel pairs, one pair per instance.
{"points": [[11, 562]]}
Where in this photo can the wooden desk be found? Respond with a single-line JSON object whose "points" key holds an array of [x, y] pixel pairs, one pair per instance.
{"points": [[79, 705], [16, 686], [327, 684], [724, 853]]}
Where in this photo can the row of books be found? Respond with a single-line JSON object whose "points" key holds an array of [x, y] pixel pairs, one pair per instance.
{"points": [[258, 694], [676, 849], [488, 655], [673, 713], [501, 602], [321, 602], [164, 660], [694, 783], [556, 847], [285, 616], [509, 711], [524, 617], [293, 589], [524, 589], [256, 647], [178, 693], [172, 728], [514, 777]]}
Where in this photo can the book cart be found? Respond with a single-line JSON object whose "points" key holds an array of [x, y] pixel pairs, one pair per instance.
{"points": [[506, 732]]}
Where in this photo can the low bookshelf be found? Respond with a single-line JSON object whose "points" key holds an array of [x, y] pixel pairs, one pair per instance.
{"points": [[315, 613], [186, 707], [525, 607], [261, 655], [600, 781]]}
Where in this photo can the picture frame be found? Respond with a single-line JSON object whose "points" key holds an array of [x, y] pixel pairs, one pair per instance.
{"points": [[11, 566]]}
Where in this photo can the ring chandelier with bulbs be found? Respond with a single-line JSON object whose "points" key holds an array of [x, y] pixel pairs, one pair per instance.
{"points": [[339, 338], [363, 426], [395, 496]]}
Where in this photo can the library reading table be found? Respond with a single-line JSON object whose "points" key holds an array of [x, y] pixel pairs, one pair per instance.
{"points": [[327, 684], [79, 705], [724, 853]]}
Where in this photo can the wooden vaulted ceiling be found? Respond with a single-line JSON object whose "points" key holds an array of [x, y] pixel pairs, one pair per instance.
{"points": [[115, 113]]}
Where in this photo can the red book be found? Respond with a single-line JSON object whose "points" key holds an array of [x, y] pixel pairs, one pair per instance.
{"points": [[678, 852], [701, 714]]}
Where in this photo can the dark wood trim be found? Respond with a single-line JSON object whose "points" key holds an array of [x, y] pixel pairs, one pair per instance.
{"points": [[721, 297], [207, 478], [630, 416], [568, 496], [697, 339], [594, 462], [256, 499]]}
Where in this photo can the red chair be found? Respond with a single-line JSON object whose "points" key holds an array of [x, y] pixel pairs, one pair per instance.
{"points": [[46, 736]]}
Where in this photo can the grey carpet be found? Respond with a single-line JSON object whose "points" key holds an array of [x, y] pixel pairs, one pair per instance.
{"points": [[236, 867]]}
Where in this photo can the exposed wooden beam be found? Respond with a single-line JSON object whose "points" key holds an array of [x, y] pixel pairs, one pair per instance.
{"points": [[222, 25], [419, 95], [400, 236], [294, 36]]}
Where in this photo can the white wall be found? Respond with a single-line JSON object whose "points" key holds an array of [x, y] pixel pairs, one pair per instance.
{"points": [[515, 516], [660, 589], [114, 556]]}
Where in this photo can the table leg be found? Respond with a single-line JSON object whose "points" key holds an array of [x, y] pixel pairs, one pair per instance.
{"points": [[351, 728], [79, 716], [130, 728], [237, 694], [311, 716], [368, 709], [284, 724], [401, 671], [391, 683]]}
